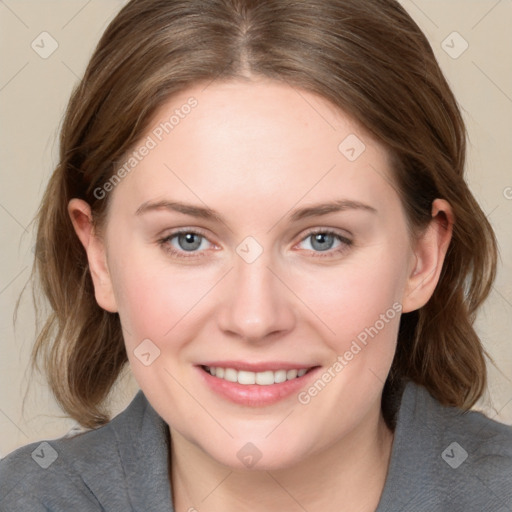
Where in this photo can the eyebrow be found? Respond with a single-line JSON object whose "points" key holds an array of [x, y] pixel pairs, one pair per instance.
{"points": [[296, 215]]}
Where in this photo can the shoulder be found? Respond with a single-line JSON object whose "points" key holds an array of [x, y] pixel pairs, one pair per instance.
{"points": [[65, 473], [450, 456], [488, 443], [41, 474]]}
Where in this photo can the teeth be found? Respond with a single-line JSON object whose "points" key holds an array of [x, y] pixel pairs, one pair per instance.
{"points": [[266, 378]]}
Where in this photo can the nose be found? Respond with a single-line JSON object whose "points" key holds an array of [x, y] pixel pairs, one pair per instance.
{"points": [[255, 304]]}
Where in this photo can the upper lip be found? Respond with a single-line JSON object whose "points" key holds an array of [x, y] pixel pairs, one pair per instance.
{"points": [[258, 367]]}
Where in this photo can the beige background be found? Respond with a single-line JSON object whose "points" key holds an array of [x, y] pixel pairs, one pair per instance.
{"points": [[34, 92]]}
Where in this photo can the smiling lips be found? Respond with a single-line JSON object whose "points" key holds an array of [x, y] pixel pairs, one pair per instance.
{"points": [[264, 378], [255, 384]]}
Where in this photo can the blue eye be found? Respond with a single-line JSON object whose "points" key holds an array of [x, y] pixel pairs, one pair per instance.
{"points": [[189, 241], [324, 241], [186, 241], [321, 241], [195, 244]]}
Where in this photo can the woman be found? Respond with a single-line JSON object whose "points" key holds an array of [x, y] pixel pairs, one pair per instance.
{"points": [[260, 206]]}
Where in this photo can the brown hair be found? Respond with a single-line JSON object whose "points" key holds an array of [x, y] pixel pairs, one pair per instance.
{"points": [[367, 58]]}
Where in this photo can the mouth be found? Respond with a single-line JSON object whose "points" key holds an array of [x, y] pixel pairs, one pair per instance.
{"points": [[262, 378], [255, 384]]}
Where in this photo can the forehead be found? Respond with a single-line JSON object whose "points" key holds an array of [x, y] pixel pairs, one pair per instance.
{"points": [[253, 142]]}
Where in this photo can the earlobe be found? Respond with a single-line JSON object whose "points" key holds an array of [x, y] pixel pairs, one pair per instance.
{"points": [[81, 218], [429, 255]]}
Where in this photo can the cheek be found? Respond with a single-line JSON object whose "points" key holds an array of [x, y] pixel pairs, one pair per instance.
{"points": [[155, 299], [354, 295], [158, 299]]}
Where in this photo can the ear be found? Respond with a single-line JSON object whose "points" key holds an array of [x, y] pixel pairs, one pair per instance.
{"points": [[81, 217], [429, 254]]}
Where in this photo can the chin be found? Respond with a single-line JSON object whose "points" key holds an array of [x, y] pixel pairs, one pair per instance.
{"points": [[245, 455]]}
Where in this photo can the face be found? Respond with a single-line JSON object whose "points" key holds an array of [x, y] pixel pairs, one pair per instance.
{"points": [[259, 236]]}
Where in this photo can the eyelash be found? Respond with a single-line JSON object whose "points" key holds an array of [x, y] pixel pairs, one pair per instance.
{"points": [[346, 243]]}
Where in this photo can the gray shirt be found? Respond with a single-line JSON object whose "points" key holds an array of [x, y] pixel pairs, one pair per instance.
{"points": [[442, 460]]}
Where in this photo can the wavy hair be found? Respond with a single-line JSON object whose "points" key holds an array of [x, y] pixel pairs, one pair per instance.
{"points": [[368, 58]]}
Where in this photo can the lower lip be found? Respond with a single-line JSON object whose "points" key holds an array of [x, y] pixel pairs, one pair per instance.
{"points": [[255, 395]]}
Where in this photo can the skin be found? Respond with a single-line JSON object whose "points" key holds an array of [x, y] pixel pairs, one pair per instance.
{"points": [[254, 151]]}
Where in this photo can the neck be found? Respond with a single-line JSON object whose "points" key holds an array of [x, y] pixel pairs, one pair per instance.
{"points": [[348, 476]]}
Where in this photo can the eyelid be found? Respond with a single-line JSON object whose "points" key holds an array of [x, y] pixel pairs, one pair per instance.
{"points": [[164, 241], [331, 231], [346, 242], [185, 229]]}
